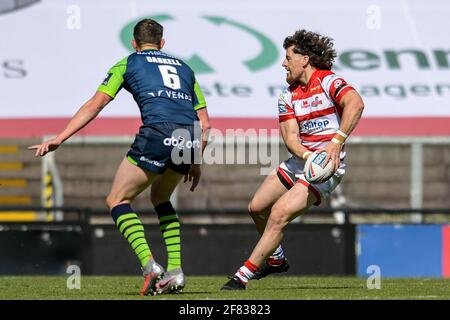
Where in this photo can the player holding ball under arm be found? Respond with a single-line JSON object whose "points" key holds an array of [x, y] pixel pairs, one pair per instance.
{"points": [[317, 113]]}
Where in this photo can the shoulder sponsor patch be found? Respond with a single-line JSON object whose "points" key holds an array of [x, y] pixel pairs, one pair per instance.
{"points": [[282, 106], [106, 80], [337, 83]]}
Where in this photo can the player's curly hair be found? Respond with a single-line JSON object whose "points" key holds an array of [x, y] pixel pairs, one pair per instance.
{"points": [[318, 48], [148, 31]]}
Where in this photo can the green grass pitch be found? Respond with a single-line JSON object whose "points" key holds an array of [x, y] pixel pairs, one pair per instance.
{"points": [[202, 288]]}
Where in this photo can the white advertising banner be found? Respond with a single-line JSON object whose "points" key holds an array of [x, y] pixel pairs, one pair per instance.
{"points": [[54, 53]]}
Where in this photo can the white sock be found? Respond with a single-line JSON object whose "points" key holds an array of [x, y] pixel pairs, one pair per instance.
{"points": [[244, 274]]}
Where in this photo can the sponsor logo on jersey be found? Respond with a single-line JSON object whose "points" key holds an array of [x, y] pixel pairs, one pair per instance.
{"points": [[317, 102], [305, 104], [153, 162], [171, 94], [337, 83], [315, 88], [106, 80], [315, 125], [282, 107]]}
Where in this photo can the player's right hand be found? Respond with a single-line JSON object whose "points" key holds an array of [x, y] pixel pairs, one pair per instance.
{"points": [[333, 151], [45, 147], [194, 176]]}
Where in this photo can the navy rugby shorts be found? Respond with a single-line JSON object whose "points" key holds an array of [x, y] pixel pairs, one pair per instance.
{"points": [[166, 145]]}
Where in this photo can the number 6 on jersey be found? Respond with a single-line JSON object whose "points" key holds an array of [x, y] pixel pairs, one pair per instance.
{"points": [[170, 77]]}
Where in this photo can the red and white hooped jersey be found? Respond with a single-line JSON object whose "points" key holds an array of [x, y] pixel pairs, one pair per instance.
{"points": [[316, 107]]}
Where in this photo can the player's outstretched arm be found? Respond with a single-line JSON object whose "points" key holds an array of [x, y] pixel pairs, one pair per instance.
{"points": [[86, 114]]}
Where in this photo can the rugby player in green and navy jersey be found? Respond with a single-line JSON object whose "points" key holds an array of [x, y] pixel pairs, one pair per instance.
{"points": [[172, 106]]}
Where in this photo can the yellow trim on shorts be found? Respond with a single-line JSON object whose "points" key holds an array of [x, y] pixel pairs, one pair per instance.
{"points": [[132, 161]]}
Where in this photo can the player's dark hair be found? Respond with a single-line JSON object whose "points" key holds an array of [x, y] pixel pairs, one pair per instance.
{"points": [[148, 31], [318, 48]]}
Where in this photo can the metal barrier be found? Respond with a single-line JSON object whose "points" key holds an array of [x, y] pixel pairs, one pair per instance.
{"points": [[85, 214], [81, 239], [51, 173]]}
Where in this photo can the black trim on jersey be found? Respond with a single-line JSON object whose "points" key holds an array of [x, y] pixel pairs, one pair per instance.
{"points": [[338, 89]]}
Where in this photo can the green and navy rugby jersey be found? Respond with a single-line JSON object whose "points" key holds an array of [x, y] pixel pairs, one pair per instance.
{"points": [[163, 86]]}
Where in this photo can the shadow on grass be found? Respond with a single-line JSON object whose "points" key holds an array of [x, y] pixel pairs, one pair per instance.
{"points": [[170, 294], [307, 288]]}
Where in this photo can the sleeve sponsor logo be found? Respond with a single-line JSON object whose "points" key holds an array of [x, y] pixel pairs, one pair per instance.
{"points": [[337, 83], [106, 80], [282, 106]]}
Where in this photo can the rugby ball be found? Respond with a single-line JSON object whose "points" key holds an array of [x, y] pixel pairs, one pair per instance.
{"points": [[315, 169]]}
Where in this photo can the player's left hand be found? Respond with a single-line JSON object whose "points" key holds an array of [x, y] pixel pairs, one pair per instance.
{"points": [[45, 147], [194, 176], [333, 151]]}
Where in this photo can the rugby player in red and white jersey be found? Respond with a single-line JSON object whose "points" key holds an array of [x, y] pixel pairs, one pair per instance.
{"points": [[317, 112]]}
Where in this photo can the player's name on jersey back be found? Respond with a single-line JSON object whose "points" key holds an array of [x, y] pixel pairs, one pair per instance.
{"points": [[173, 62]]}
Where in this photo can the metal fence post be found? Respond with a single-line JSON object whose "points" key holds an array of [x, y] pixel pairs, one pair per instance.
{"points": [[416, 186]]}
